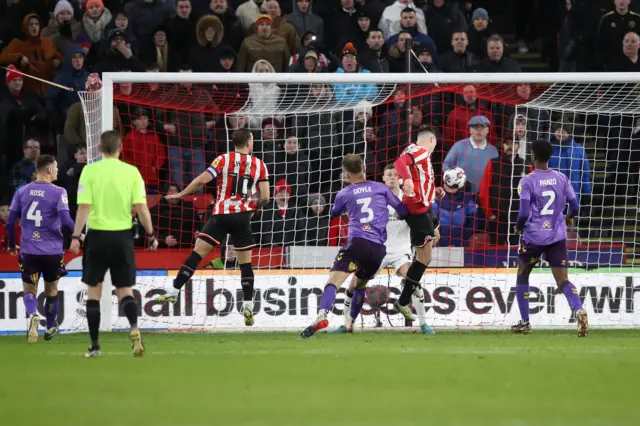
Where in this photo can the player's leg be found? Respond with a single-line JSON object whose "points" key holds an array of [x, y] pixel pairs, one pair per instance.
{"points": [[55, 269], [95, 263], [242, 236], [30, 271], [336, 279], [528, 257], [346, 312], [417, 298]]}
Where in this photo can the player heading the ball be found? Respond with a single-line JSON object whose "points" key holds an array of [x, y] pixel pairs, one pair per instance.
{"points": [[238, 175], [544, 193], [366, 204], [43, 210]]}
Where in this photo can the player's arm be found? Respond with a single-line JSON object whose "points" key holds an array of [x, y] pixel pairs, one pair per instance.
{"points": [[338, 206], [524, 189], [402, 168], [85, 199], [397, 205], [574, 205], [194, 186], [63, 211], [265, 193], [139, 201]]}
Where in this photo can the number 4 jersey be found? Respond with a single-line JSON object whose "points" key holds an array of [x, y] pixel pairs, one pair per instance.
{"points": [[548, 192], [237, 177], [38, 206]]}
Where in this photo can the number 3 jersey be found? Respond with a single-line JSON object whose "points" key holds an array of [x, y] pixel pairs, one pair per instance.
{"points": [[366, 204], [38, 206], [237, 177], [548, 192]]}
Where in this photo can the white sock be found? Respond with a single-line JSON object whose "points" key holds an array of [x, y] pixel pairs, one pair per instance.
{"points": [[418, 303], [347, 310]]}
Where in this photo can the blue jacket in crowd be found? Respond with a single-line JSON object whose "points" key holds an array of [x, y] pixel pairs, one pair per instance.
{"points": [[59, 100], [351, 94], [456, 212], [472, 160], [570, 158]]}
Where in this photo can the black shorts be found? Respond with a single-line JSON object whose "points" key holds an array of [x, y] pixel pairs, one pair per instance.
{"points": [[361, 256], [237, 225], [423, 227], [50, 266], [556, 254], [109, 251]]}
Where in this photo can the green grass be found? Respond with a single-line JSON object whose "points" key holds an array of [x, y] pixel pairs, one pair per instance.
{"points": [[452, 378]]}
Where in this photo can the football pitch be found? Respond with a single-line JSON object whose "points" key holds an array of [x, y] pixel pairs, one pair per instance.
{"points": [[388, 378]]}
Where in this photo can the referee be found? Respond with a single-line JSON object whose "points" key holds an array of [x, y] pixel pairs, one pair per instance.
{"points": [[107, 192]]}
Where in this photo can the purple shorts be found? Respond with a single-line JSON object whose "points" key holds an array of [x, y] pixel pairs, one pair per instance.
{"points": [[361, 256], [51, 266], [555, 254]]}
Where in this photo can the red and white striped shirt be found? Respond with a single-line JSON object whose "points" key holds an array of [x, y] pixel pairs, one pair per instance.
{"points": [[237, 177], [418, 161]]}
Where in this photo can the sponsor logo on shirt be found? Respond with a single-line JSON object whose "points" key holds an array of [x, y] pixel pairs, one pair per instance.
{"points": [[352, 266]]}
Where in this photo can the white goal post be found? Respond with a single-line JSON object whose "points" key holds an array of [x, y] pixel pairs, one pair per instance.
{"points": [[591, 107]]}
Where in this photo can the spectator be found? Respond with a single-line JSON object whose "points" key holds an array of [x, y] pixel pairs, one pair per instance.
{"points": [[62, 29], [271, 138], [408, 24], [473, 153], [443, 18], [264, 97], [479, 33], [225, 129], [538, 119], [499, 192], [390, 21], [120, 57], [279, 26], [279, 220], [159, 50], [95, 20], [342, 24], [141, 147], [292, 165], [570, 158], [611, 31], [74, 76], [459, 59], [22, 116], [233, 31], [303, 19], [518, 133], [24, 169], [629, 62], [495, 60], [71, 177], [227, 62], [308, 43], [359, 36], [456, 212], [4, 216], [457, 124], [120, 22], [426, 59], [147, 15], [375, 56], [205, 55], [394, 125], [360, 137], [264, 45], [248, 12], [176, 220], [312, 229], [183, 30], [35, 55], [351, 94], [397, 53]]}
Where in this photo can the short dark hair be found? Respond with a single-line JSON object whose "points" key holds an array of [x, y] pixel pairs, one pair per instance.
{"points": [[80, 147], [495, 37], [44, 161], [352, 163], [374, 30], [26, 142], [407, 10], [542, 150], [389, 167], [405, 32], [241, 137], [427, 129], [110, 142]]}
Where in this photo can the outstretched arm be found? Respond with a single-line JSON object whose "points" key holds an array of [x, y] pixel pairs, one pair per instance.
{"points": [[204, 178]]}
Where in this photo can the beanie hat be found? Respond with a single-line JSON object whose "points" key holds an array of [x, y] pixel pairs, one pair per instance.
{"points": [[82, 40], [93, 83], [282, 185], [63, 6], [264, 18], [11, 74], [480, 13], [348, 49], [313, 197], [116, 32], [98, 2]]}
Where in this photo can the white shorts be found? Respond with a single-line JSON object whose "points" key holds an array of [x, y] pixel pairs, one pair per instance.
{"points": [[395, 260]]}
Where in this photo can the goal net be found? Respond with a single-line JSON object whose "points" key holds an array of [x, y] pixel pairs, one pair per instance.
{"points": [[174, 125]]}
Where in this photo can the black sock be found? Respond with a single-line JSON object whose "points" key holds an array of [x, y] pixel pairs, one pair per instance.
{"points": [[349, 294], [130, 309], [93, 319], [411, 281], [246, 280], [187, 270]]}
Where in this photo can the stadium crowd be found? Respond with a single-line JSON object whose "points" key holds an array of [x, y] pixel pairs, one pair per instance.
{"points": [[174, 136]]}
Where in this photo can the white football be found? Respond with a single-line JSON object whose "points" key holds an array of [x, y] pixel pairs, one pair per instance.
{"points": [[455, 178]]}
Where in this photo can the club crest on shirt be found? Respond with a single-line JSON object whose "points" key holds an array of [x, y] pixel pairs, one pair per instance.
{"points": [[546, 225], [519, 189], [64, 199], [366, 227], [35, 235]]}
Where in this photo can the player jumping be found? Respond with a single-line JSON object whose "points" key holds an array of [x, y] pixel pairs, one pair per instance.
{"points": [[544, 193], [398, 257], [237, 173], [366, 204], [42, 208], [415, 170]]}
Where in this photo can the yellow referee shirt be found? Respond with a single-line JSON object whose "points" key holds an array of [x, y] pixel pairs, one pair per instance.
{"points": [[111, 187]]}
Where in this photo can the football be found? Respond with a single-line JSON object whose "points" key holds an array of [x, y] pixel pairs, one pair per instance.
{"points": [[455, 178]]}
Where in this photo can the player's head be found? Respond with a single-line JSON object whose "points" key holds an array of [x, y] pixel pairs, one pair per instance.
{"points": [[47, 168], [110, 143], [541, 152], [242, 140], [353, 167], [390, 177], [427, 138]]}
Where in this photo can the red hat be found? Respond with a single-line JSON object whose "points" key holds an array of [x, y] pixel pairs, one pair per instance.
{"points": [[282, 185], [12, 73], [264, 18]]}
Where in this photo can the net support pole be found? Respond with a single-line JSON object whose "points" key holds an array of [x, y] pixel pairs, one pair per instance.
{"points": [[408, 61]]}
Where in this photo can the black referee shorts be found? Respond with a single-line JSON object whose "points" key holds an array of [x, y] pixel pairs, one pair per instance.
{"points": [[109, 251], [422, 228], [237, 225]]}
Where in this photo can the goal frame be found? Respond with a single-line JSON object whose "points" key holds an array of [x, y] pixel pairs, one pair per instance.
{"points": [[110, 79]]}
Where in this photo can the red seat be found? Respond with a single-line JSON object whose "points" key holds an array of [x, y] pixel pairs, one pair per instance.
{"points": [[201, 202]]}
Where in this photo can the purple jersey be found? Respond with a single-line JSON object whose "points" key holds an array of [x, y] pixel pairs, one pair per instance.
{"points": [[38, 206], [548, 192], [366, 204]]}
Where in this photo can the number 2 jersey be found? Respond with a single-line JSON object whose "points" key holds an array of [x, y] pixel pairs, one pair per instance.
{"points": [[42, 209], [546, 192], [237, 177]]}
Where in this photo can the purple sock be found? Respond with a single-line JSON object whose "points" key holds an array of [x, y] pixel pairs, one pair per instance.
{"points": [[357, 302], [522, 294], [328, 297], [51, 310], [30, 303], [571, 293]]}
